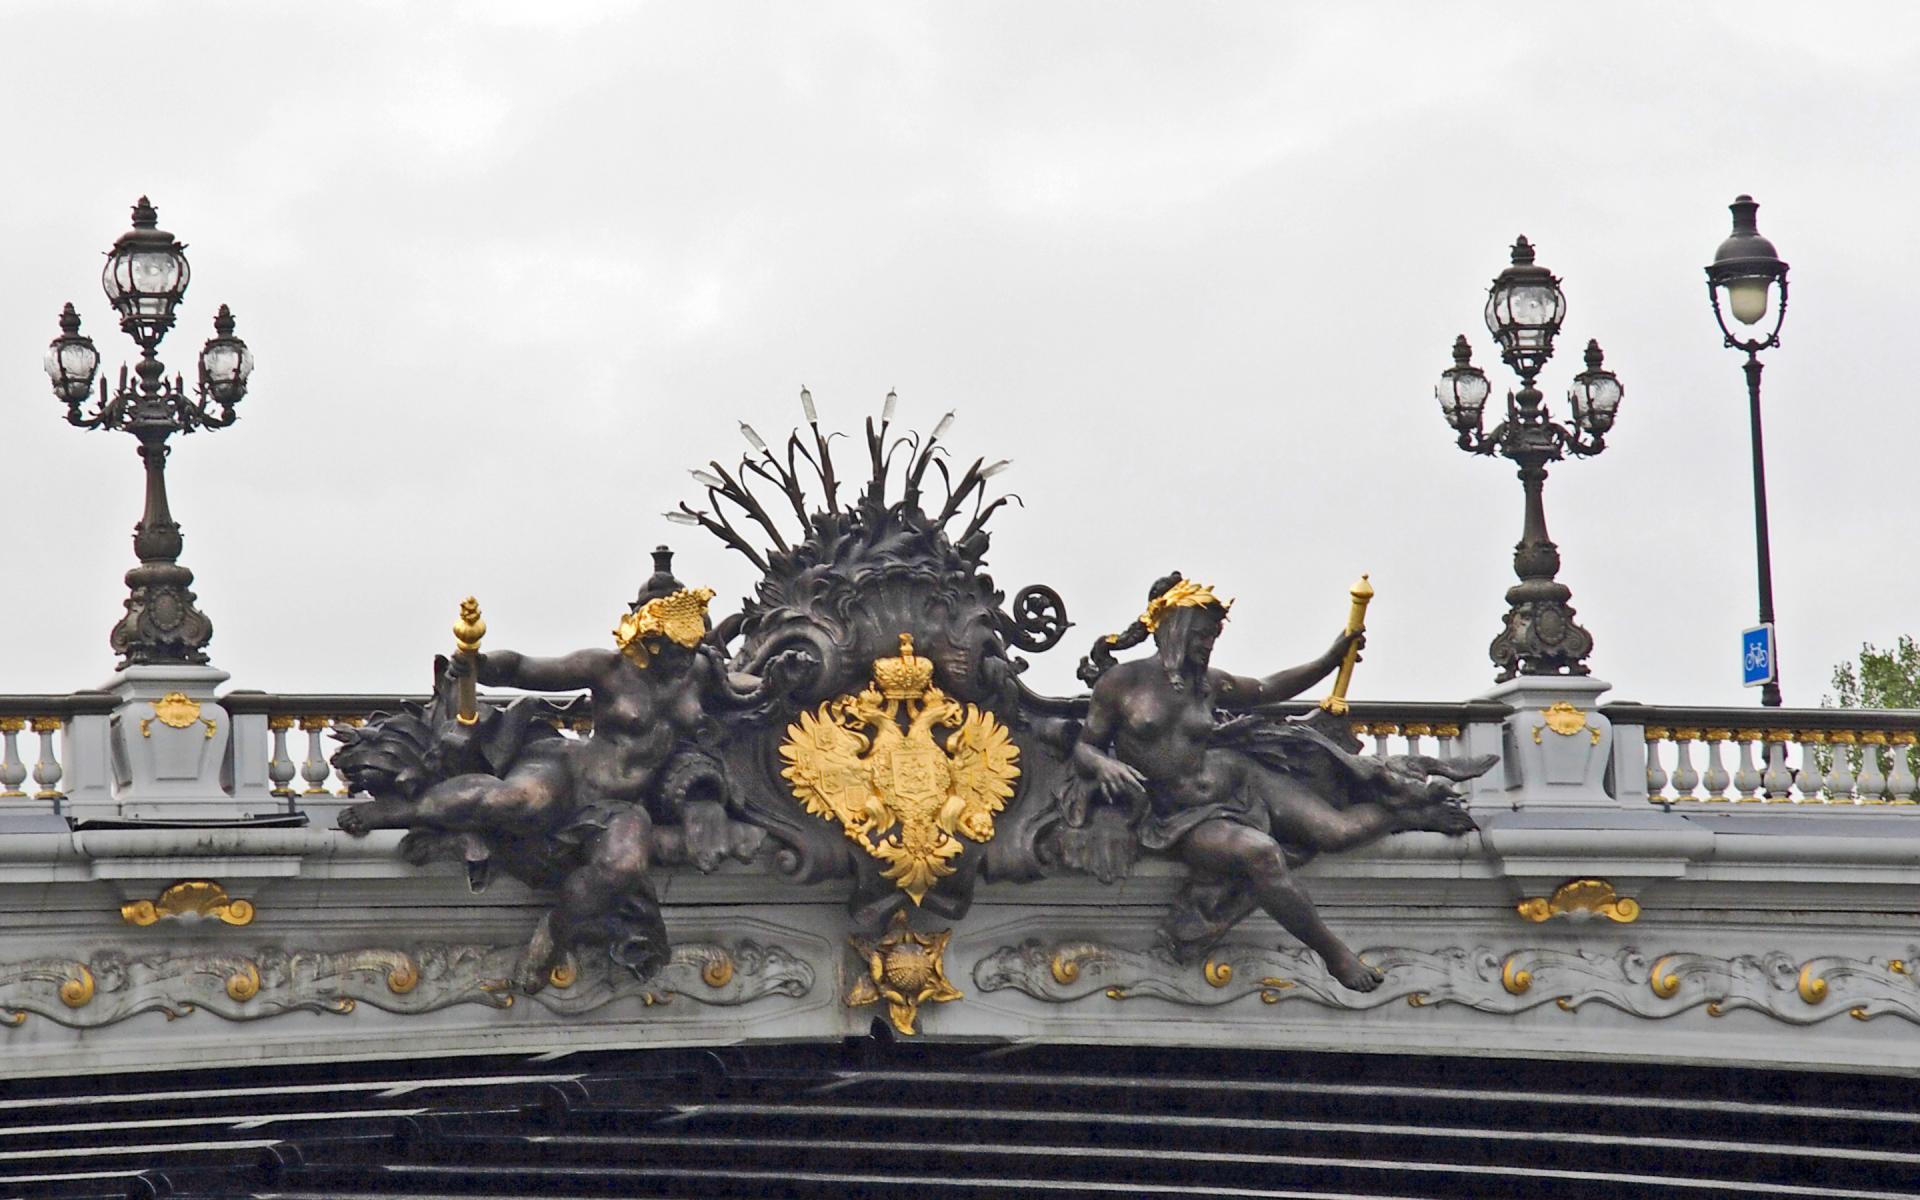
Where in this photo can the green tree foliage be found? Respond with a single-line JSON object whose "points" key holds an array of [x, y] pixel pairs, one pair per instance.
{"points": [[1881, 679]]}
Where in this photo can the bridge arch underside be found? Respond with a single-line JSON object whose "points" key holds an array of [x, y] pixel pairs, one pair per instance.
{"points": [[884, 1116]]}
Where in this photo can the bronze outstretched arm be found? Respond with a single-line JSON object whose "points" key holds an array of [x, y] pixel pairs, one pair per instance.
{"points": [[1244, 691], [569, 672]]}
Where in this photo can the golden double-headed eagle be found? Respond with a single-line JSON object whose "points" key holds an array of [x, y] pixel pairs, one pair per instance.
{"points": [[873, 762]]}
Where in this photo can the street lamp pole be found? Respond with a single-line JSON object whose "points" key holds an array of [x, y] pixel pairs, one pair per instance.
{"points": [[1524, 309], [145, 278], [1746, 267]]}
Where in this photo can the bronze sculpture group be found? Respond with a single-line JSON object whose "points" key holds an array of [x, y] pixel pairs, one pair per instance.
{"points": [[862, 718]]}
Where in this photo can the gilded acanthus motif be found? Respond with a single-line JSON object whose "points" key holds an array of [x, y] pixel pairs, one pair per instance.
{"points": [[905, 969], [871, 762]]}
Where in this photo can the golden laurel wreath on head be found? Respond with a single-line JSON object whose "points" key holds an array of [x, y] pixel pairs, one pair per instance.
{"points": [[1185, 594], [680, 617]]}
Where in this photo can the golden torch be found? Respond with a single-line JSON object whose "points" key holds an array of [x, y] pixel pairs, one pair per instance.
{"points": [[1362, 592], [467, 632]]}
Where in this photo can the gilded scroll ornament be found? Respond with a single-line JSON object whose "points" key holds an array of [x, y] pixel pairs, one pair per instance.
{"points": [[1581, 898], [872, 762], [244, 984], [77, 991], [175, 710], [906, 969], [189, 898], [718, 972]]}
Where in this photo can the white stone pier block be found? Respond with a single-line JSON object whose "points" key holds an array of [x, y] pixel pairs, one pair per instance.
{"points": [[169, 741], [1555, 745]]}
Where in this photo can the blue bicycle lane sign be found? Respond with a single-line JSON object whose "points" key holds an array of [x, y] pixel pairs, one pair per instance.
{"points": [[1757, 656]]}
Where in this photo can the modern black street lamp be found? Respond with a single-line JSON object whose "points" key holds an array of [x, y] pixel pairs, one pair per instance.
{"points": [[145, 278], [1746, 268], [1524, 309]]}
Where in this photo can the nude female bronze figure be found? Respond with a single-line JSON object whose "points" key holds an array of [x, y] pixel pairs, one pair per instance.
{"points": [[591, 815], [1241, 799]]}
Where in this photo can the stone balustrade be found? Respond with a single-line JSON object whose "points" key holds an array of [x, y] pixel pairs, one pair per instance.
{"points": [[1829, 758], [55, 749], [39, 737]]}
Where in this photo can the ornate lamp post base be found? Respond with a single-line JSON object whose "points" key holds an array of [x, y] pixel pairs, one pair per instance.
{"points": [[1541, 636], [161, 624]]}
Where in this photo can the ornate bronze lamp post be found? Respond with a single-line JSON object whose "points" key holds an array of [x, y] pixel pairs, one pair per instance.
{"points": [[145, 278], [1524, 309], [1746, 267]]}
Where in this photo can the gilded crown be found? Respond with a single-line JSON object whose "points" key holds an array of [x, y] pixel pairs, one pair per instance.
{"points": [[905, 677], [681, 618]]}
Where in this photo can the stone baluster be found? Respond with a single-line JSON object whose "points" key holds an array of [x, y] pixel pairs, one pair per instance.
{"points": [[1900, 780], [1746, 778], [1840, 773], [1448, 737], [1685, 777], [1809, 781], [1717, 778], [1382, 730], [1656, 773], [280, 765], [13, 769], [46, 771], [1415, 732], [1872, 783], [1779, 780], [316, 768]]}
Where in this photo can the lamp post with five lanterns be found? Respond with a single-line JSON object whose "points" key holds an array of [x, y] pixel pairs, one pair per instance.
{"points": [[145, 278], [1524, 310]]}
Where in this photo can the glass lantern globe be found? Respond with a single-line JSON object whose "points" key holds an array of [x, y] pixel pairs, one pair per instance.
{"points": [[71, 360], [1595, 394], [225, 362], [146, 277], [1524, 309], [1463, 388]]}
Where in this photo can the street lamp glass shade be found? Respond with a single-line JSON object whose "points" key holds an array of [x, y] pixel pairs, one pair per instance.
{"points": [[1524, 309], [225, 361], [145, 277], [71, 360], [1595, 394], [1462, 390], [1747, 300], [1745, 268]]}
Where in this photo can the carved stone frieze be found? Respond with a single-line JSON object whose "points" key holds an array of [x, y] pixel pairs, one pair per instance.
{"points": [[111, 987], [1779, 985]]}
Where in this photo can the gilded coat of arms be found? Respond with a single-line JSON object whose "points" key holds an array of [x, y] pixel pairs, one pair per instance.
{"points": [[873, 762]]}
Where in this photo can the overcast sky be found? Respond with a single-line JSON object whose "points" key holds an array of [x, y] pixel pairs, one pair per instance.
{"points": [[509, 269]]}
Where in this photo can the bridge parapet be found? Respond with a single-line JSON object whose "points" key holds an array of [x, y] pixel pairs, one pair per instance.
{"points": [[1637, 923]]}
